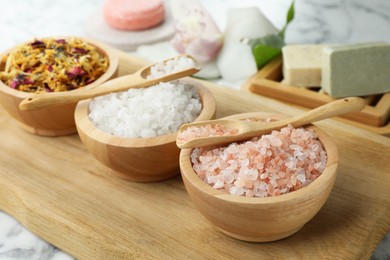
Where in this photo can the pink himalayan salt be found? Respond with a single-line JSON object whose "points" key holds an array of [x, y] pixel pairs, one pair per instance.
{"points": [[193, 132], [271, 165]]}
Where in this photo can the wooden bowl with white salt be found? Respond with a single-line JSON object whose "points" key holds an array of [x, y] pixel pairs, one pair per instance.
{"points": [[55, 120], [255, 211], [138, 159]]}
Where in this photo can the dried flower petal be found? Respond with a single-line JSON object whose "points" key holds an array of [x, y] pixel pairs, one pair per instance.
{"points": [[75, 71], [62, 41], [79, 50], [37, 43], [14, 84], [50, 65], [28, 81], [195, 31]]}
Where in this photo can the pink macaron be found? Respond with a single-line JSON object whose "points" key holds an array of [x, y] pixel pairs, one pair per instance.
{"points": [[133, 15]]}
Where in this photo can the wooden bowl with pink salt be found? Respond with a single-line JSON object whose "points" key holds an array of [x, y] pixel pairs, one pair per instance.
{"points": [[134, 132], [264, 189]]}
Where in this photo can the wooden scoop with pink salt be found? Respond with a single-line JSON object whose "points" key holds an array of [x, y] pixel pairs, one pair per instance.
{"points": [[223, 131]]}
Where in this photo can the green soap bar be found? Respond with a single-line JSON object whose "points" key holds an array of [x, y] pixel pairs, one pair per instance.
{"points": [[356, 70]]}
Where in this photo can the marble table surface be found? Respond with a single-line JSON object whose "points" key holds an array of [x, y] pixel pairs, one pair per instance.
{"points": [[331, 21]]}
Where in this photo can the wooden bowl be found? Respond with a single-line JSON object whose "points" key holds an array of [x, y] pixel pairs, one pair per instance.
{"points": [[261, 219], [138, 159], [55, 120]]}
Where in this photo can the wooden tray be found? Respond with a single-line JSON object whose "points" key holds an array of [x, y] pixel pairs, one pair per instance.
{"points": [[374, 117], [55, 188]]}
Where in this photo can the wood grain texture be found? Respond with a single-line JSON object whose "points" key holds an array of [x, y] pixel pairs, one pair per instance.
{"points": [[61, 193]]}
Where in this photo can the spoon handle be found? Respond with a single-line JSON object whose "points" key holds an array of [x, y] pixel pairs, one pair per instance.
{"points": [[136, 80], [247, 130], [332, 109], [40, 101]]}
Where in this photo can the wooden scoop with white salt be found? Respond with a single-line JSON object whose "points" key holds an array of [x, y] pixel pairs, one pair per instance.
{"points": [[222, 131], [167, 70]]}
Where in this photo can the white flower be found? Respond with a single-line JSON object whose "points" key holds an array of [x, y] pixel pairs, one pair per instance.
{"points": [[196, 33]]}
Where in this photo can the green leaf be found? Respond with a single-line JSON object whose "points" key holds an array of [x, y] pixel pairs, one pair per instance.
{"points": [[266, 48], [264, 54], [290, 17], [291, 13], [272, 40]]}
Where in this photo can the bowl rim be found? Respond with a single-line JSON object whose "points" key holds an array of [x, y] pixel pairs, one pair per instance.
{"points": [[305, 193], [83, 123], [101, 47]]}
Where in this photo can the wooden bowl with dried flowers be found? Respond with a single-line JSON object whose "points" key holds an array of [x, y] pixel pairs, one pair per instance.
{"points": [[45, 66]]}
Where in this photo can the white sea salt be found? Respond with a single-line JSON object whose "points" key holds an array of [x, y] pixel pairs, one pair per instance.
{"points": [[236, 190], [275, 142], [219, 184], [146, 112], [301, 177], [176, 64]]}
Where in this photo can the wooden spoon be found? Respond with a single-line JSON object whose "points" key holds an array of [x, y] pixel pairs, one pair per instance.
{"points": [[136, 80], [247, 129]]}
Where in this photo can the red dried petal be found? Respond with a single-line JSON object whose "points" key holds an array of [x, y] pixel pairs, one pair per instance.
{"points": [[37, 43], [75, 71], [62, 41], [14, 84], [47, 89], [28, 81], [89, 81], [79, 50]]}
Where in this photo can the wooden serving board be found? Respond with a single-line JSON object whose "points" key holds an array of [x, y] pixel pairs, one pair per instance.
{"points": [[55, 188], [267, 82]]}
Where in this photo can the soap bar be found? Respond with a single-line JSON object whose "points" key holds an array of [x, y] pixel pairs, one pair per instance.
{"points": [[133, 15], [356, 70], [302, 65]]}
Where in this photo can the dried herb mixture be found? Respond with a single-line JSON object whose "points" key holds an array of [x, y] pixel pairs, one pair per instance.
{"points": [[52, 65]]}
